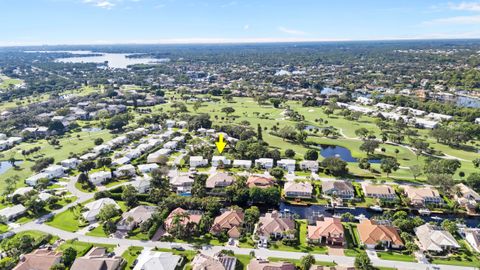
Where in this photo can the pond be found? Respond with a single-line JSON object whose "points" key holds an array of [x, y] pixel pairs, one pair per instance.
{"points": [[6, 165], [305, 212], [338, 151], [468, 102]]}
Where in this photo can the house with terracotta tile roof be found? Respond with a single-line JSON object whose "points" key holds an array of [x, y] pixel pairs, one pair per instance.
{"points": [[185, 216], [40, 259], [381, 192], [372, 234], [327, 231], [421, 196], [215, 262], [260, 182], [275, 225], [230, 221]]}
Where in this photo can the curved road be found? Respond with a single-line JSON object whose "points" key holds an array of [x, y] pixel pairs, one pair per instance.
{"points": [[263, 253]]}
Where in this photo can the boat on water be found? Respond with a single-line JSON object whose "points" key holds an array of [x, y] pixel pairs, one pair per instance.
{"points": [[437, 218], [360, 217], [424, 212], [376, 208]]}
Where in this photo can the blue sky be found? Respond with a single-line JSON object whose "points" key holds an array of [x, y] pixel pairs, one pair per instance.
{"points": [[26, 22]]}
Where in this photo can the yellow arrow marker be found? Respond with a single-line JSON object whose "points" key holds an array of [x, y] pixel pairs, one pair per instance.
{"points": [[220, 144]]}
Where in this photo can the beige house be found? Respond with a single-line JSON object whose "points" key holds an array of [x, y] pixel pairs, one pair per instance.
{"points": [[40, 259], [219, 180], [300, 190], [467, 197], [382, 192], [229, 221], [435, 239], [339, 188], [135, 217], [421, 196], [260, 264], [274, 225], [97, 259], [217, 262]]}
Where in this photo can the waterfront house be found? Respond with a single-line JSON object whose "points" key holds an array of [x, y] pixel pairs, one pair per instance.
{"points": [[373, 233], [274, 226], [434, 239], [298, 190], [260, 182], [328, 230], [381, 192], [422, 196], [338, 188]]}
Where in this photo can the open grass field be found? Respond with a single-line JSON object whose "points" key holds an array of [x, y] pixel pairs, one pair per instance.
{"points": [[67, 220], [246, 109], [70, 143]]}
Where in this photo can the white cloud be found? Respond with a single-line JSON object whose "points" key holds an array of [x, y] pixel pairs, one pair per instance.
{"points": [[291, 31], [458, 20], [246, 27], [465, 6], [106, 4]]}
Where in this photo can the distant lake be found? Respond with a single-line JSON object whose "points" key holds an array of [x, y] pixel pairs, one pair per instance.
{"points": [[114, 60], [5, 166]]}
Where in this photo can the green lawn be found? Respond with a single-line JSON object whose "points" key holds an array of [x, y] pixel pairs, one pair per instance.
{"points": [[69, 143], [68, 220], [130, 255], [83, 247], [98, 231], [303, 246], [246, 109], [394, 256], [353, 242]]}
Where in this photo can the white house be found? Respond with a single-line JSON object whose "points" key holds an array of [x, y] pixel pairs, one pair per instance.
{"points": [[170, 145], [142, 184], [3, 136], [424, 123], [156, 156], [121, 161], [182, 184], [287, 164], [309, 165], [170, 123], [240, 163], [472, 235], [477, 121], [21, 191], [89, 156], [4, 145], [70, 163], [125, 170], [33, 180], [198, 161], [54, 171], [11, 213], [153, 260], [102, 149], [217, 159], [93, 208], [266, 163], [439, 117], [147, 168], [97, 178]]}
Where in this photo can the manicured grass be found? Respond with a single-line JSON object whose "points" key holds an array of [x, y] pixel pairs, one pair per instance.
{"points": [[303, 246], [83, 247], [67, 220], [130, 255], [458, 262], [69, 143], [353, 242], [393, 256], [297, 262], [98, 231]]}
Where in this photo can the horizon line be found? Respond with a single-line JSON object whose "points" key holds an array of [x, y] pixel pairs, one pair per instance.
{"points": [[214, 41]]}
